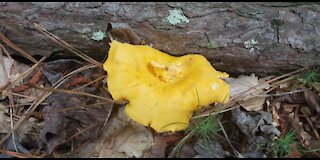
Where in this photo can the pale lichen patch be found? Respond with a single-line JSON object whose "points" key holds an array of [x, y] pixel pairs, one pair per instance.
{"points": [[176, 16], [98, 36]]}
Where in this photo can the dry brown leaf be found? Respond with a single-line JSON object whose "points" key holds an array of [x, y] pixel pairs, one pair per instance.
{"points": [[137, 139], [132, 140], [159, 147], [60, 126], [243, 83], [121, 137], [98, 148], [254, 104], [288, 107], [275, 114]]}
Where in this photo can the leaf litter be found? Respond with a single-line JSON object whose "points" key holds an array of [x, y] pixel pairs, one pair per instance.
{"points": [[69, 122]]}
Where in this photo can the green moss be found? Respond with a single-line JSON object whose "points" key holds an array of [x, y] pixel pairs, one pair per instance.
{"points": [[212, 45]]}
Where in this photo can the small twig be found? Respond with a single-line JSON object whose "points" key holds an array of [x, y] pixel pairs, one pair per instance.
{"points": [[16, 48], [18, 155], [278, 94]]}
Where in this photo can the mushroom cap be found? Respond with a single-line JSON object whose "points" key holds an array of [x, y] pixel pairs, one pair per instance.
{"points": [[162, 90]]}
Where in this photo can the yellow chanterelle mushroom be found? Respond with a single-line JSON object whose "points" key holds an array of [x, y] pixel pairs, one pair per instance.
{"points": [[162, 90]]}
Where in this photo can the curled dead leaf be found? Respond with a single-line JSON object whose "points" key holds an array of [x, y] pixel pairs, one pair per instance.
{"points": [[312, 99]]}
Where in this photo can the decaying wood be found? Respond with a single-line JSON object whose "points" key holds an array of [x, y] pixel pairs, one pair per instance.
{"points": [[286, 33]]}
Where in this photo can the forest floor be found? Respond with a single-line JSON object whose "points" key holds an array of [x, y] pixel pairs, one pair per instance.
{"points": [[62, 108]]}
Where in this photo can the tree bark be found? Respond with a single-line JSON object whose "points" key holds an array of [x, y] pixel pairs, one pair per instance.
{"points": [[287, 34]]}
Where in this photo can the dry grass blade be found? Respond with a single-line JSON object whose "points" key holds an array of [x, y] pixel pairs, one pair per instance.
{"points": [[16, 48], [74, 92], [181, 142], [269, 81], [81, 131], [67, 46], [228, 140], [39, 100], [5, 51], [11, 120], [279, 94], [69, 108], [23, 75], [21, 95], [235, 101], [108, 116]]}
